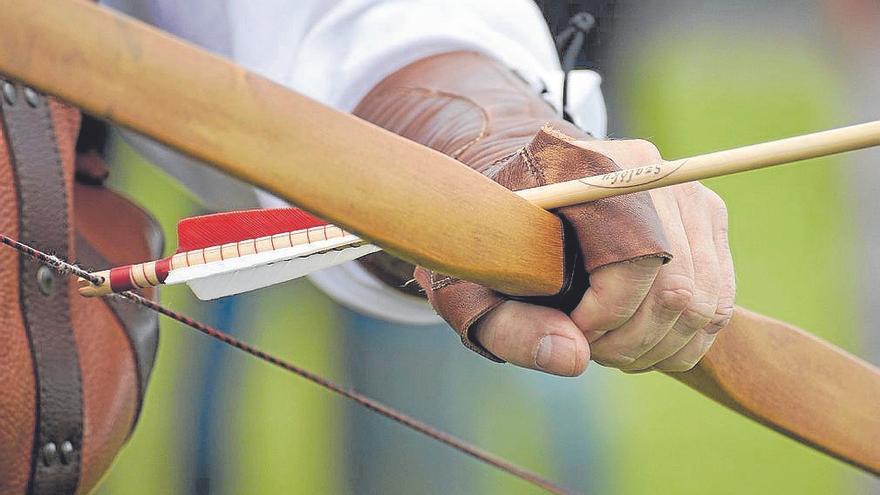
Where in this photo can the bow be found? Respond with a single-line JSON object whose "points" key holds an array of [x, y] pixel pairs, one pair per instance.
{"points": [[386, 190]]}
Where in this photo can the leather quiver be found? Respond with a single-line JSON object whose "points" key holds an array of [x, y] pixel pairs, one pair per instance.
{"points": [[73, 371]]}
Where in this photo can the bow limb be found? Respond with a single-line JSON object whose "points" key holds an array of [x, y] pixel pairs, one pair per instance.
{"points": [[795, 383]]}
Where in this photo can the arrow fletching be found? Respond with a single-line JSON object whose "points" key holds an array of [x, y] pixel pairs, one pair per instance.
{"points": [[232, 252]]}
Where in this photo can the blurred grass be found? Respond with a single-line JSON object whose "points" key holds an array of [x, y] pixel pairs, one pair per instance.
{"points": [[287, 432], [791, 238]]}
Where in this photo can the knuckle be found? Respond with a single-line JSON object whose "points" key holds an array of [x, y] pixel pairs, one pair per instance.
{"points": [[697, 314], [703, 305], [675, 300], [724, 312], [676, 294], [722, 316]]}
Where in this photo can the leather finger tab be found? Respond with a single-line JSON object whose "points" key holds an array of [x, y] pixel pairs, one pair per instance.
{"points": [[611, 230], [461, 304]]}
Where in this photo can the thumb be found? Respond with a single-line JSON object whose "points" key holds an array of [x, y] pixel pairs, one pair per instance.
{"points": [[534, 337]]}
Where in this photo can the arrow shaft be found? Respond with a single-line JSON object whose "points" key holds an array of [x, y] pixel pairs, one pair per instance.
{"points": [[720, 163]]}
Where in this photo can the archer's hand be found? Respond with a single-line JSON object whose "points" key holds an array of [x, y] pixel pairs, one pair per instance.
{"points": [[636, 315]]}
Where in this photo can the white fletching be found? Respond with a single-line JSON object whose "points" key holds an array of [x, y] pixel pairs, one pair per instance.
{"points": [[254, 271]]}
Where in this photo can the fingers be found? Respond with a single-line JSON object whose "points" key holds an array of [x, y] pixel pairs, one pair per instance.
{"points": [[615, 293], [636, 315], [700, 234], [670, 324], [688, 356], [534, 337], [670, 295], [727, 292]]}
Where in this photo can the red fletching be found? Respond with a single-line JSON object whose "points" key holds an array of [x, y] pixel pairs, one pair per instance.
{"points": [[234, 226]]}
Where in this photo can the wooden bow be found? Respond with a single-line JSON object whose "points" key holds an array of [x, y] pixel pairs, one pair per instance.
{"points": [[333, 164]]}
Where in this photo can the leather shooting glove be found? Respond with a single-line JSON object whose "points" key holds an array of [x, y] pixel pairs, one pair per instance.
{"points": [[476, 110]]}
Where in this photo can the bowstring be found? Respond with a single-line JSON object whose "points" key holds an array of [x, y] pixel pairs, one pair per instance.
{"points": [[68, 269]]}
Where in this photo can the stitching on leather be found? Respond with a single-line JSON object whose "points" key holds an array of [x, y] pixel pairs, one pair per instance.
{"points": [[49, 120], [498, 165], [50, 126], [530, 162], [484, 127], [14, 141], [443, 281], [504, 158]]}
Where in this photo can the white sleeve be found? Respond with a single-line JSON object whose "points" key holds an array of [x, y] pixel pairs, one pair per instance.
{"points": [[355, 44]]}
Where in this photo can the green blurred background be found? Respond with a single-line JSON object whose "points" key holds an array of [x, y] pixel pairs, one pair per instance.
{"points": [[690, 76]]}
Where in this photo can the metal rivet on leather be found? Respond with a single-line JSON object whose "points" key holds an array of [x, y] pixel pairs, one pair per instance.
{"points": [[46, 280], [9, 93], [50, 453], [66, 452], [32, 97]]}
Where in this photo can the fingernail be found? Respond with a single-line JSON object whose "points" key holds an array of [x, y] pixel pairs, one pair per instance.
{"points": [[556, 354]]}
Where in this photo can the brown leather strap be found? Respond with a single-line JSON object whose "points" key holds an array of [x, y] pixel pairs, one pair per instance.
{"points": [[44, 223]]}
